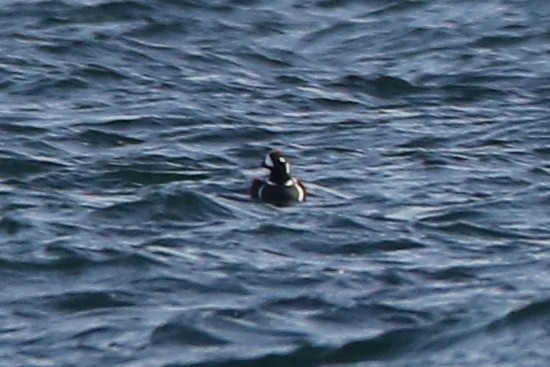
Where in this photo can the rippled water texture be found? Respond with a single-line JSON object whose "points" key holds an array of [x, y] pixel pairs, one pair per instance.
{"points": [[130, 131]]}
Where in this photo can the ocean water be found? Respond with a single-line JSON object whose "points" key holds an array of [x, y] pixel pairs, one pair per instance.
{"points": [[130, 132]]}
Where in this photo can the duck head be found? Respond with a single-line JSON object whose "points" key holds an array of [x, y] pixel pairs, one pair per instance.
{"points": [[279, 167]]}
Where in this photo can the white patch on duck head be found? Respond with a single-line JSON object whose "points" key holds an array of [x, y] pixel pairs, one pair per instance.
{"points": [[267, 161], [284, 161]]}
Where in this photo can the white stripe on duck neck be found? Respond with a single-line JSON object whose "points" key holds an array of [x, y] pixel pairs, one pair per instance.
{"points": [[288, 183]]}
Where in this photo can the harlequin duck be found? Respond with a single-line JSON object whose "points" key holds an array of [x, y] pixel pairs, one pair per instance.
{"points": [[280, 187]]}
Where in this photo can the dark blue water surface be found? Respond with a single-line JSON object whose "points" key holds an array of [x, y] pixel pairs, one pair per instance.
{"points": [[130, 131]]}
